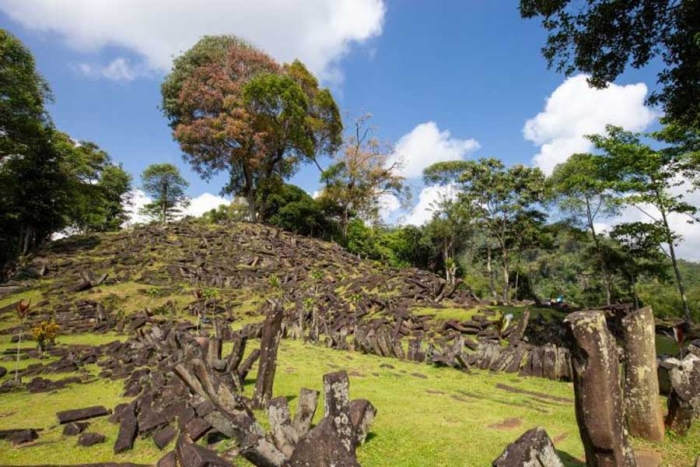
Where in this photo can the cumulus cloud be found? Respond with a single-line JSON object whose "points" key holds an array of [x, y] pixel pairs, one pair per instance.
{"points": [[198, 205], [428, 201], [575, 110], [425, 145], [318, 32], [203, 203]]}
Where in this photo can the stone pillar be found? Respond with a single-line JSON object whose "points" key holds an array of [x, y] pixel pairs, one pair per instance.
{"points": [[642, 408], [269, 343], [684, 399], [598, 397]]}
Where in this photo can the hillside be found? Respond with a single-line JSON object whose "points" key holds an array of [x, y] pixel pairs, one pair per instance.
{"points": [[392, 330]]}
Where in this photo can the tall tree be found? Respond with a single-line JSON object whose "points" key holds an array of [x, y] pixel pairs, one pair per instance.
{"points": [[98, 188], [583, 189], [451, 230], [636, 254], [233, 108], [166, 186], [23, 94], [498, 195], [360, 175], [604, 37], [649, 180]]}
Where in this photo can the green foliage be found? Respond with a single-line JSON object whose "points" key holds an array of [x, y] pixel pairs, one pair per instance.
{"points": [[359, 176], [45, 334], [166, 186], [292, 209], [236, 210], [274, 281], [603, 37], [23, 94], [233, 108], [48, 181], [648, 177], [502, 201]]}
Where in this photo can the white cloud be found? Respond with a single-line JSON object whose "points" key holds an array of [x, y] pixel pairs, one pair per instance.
{"points": [[203, 203], [318, 32], [425, 145], [575, 110], [198, 206], [689, 247], [428, 201], [119, 69]]}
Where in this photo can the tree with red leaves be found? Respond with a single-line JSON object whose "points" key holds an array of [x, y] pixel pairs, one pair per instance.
{"points": [[232, 107]]}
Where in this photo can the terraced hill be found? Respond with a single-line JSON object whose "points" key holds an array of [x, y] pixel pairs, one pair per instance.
{"points": [[398, 333]]}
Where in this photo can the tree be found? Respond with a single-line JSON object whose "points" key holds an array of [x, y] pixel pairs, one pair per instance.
{"points": [[98, 188], [497, 195], [235, 211], [115, 187], [637, 254], [648, 180], [584, 190], [293, 209], [604, 37], [23, 94], [451, 229], [34, 195], [360, 176], [232, 107], [166, 186]]}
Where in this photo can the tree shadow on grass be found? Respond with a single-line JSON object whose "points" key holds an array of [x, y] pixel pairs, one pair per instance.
{"points": [[569, 460]]}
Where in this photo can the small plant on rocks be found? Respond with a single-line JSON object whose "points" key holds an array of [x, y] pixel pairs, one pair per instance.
{"points": [[45, 334]]}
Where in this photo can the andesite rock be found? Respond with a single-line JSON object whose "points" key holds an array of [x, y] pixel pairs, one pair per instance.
{"points": [[90, 439], [76, 415], [641, 387], [684, 399], [598, 396], [533, 449]]}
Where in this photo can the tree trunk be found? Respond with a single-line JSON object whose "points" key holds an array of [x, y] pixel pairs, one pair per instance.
{"points": [[346, 221], [492, 286], [28, 239], [506, 275], [676, 270], [164, 206], [252, 212], [603, 265]]}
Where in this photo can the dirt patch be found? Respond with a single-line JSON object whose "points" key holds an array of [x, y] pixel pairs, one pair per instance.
{"points": [[560, 438], [507, 424], [419, 375], [356, 374], [431, 391], [541, 395], [459, 398], [647, 458]]}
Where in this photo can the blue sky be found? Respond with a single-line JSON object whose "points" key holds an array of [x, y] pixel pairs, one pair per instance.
{"points": [[443, 80]]}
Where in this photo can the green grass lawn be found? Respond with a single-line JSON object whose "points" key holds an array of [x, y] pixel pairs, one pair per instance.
{"points": [[426, 415]]}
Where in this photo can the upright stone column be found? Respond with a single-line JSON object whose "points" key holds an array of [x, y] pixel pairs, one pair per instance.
{"points": [[269, 343], [598, 397], [642, 408]]}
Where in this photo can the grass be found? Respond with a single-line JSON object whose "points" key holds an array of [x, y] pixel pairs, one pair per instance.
{"points": [[425, 414]]}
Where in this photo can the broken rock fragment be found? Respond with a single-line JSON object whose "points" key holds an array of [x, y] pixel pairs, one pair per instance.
{"points": [[533, 448]]}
